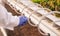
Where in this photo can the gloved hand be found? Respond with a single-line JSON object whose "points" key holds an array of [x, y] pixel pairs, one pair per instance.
{"points": [[23, 20]]}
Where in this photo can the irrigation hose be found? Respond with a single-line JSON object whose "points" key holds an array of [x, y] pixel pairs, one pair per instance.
{"points": [[45, 34], [30, 20]]}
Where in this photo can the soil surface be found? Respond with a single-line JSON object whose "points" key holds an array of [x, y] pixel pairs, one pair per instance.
{"points": [[25, 30]]}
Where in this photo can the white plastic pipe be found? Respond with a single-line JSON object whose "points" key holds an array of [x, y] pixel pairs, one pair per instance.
{"points": [[3, 31]]}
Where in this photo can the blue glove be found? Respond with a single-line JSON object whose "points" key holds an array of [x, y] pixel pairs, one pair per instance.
{"points": [[23, 20]]}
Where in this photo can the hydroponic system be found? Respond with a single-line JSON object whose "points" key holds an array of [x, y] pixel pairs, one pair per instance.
{"points": [[45, 14]]}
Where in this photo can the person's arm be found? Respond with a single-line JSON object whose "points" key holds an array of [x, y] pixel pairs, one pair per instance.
{"points": [[9, 21]]}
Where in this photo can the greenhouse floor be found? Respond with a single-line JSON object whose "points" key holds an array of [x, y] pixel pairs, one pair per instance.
{"points": [[26, 30]]}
